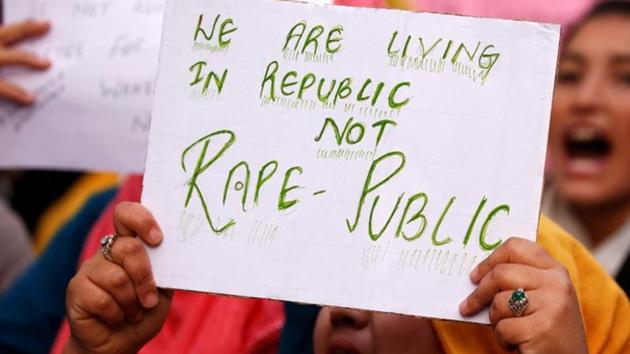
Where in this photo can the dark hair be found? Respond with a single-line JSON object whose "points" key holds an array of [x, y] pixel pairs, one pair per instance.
{"points": [[603, 8], [612, 7]]}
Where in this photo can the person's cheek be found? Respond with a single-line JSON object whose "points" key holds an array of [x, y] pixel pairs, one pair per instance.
{"points": [[624, 156], [559, 114]]}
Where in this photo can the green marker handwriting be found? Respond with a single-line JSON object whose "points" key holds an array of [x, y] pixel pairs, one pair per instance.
{"points": [[435, 260], [214, 38], [474, 60], [238, 178], [208, 79], [200, 167], [303, 40], [396, 160], [217, 36], [353, 132], [329, 91]]}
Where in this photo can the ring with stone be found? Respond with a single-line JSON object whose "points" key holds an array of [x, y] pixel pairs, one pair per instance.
{"points": [[518, 302], [107, 242]]}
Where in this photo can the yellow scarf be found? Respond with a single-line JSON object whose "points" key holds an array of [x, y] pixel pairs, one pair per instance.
{"points": [[605, 307], [398, 4]]}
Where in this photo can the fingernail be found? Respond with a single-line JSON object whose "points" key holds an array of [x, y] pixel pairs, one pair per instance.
{"points": [[463, 307], [150, 300], [28, 98], [474, 275], [45, 23], [155, 236], [43, 61]]}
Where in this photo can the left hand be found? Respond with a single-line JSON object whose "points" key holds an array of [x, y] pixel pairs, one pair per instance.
{"points": [[552, 322], [10, 35], [113, 305]]}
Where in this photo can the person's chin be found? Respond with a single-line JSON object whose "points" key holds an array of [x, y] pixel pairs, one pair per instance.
{"points": [[341, 344], [583, 192]]}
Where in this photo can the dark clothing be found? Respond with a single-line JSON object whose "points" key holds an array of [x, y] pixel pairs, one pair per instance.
{"points": [[623, 276], [31, 310], [35, 191], [297, 333]]}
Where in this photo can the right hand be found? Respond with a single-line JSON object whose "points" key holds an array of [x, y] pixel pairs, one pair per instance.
{"points": [[9, 56], [552, 323], [115, 306]]}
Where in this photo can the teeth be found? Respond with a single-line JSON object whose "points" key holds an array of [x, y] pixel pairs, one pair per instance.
{"points": [[585, 166], [584, 134]]}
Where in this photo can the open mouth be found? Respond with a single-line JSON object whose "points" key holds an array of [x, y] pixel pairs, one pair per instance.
{"points": [[587, 143], [587, 149]]}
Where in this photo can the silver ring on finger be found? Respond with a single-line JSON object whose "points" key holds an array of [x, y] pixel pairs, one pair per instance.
{"points": [[518, 302], [107, 242]]}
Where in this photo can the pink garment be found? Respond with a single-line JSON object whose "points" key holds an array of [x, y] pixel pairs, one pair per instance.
{"points": [[196, 323], [557, 11]]}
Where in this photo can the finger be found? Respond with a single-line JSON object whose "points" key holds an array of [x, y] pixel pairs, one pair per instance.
{"points": [[155, 317], [11, 34], [85, 297], [131, 255], [502, 277], [133, 219], [113, 279], [514, 250], [514, 331], [15, 94], [23, 58], [500, 308]]}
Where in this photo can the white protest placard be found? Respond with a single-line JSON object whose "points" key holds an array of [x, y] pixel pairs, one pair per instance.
{"points": [[352, 157], [93, 105]]}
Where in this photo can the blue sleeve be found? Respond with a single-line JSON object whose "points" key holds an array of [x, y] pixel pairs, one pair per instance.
{"points": [[31, 310]]}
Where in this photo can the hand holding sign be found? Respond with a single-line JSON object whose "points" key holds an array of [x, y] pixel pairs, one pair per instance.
{"points": [[11, 35], [552, 324], [114, 306], [110, 308]]}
